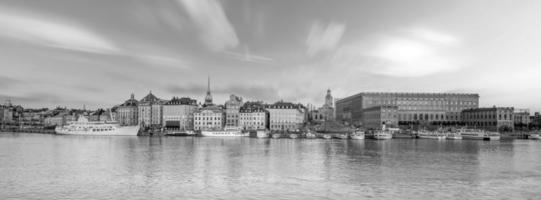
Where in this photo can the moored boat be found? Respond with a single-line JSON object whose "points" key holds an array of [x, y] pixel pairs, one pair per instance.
{"points": [[430, 135], [83, 127], [309, 135], [293, 135], [325, 136], [226, 132], [380, 135], [534, 136], [342, 136], [453, 136], [276, 135], [357, 135], [475, 134], [262, 134], [180, 133]]}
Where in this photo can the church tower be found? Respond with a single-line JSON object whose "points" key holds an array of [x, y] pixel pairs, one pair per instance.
{"points": [[329, 100], [208, 98]]}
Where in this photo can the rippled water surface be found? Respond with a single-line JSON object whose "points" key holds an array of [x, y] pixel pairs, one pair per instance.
{"points": [[34, 166]]}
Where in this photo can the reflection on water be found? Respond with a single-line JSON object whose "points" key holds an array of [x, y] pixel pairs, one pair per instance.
{"points": [[82, 167]]}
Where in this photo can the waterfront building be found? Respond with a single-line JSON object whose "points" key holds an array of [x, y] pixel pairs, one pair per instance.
{"points": [[60, 119], [100, 115], [150, 111], [521, 118], [286, 116], [535, 120], [127, 113], [253, 116], [492, 119], [178, 113], [375, 117], [209, 118], [208, 97], [232, 107], [413, 108]]}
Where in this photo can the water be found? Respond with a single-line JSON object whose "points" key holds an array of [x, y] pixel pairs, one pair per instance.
{"points": [[34, 166]]}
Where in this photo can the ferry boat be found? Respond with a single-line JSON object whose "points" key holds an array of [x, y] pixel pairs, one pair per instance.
{"points": [[357, 135], [226, 132], [474, 134], [430, 135], [340, 136], [381, 135], [83, 127]]}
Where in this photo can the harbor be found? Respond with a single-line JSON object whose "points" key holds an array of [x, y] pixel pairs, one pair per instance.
{"points": [[264, 168]]}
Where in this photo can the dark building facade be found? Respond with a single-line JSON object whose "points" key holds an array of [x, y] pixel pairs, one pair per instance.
{"points": [[492, 119]]}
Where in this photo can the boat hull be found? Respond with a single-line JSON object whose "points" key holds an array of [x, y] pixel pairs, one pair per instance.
{"points": [[276, 135], [119, 131], [293, 136], [357, 137], [224, 134]]}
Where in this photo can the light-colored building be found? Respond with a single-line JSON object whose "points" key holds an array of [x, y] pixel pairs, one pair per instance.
{"points": [[232, 107], [150, 111], [178, 113], [209, 118], [413, 108], [375, 117], [60, 119], [286, 116], [253, 116], [492, 119], [127, 113]]}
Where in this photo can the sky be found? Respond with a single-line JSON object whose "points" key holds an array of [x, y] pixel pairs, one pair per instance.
{"points": [[96, 53]]}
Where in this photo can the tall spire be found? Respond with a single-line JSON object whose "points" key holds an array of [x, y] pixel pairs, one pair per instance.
{"points": [[208, 85], [208, 98]]}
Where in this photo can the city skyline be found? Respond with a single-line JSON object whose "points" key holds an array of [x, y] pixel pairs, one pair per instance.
{"points": [[65, 53]]}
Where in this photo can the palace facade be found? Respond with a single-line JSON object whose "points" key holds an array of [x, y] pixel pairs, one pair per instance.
{"points": [[412, 108]]}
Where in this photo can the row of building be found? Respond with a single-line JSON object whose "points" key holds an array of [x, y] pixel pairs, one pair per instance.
{"points": [[372, 109], [186, 114], [367, 109]]}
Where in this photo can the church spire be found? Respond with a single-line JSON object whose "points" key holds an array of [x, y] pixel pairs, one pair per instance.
{"points": [[208, 98]]}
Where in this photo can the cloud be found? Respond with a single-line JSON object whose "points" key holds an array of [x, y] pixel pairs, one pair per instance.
{"points": [[433, 36], [51, 33], [414, 54], [323, 38], [160, 60], [247, 56], [209, 16]]}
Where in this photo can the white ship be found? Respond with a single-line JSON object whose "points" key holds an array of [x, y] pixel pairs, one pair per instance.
{"points": [[226, 132], [453, 136], [83, 127], [473, 134], [430, 135]]}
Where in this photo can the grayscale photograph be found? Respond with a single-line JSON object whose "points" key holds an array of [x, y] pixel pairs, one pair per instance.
{"points": [[270, 99]]}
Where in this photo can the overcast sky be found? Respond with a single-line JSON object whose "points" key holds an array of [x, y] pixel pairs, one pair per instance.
{"points": [[97, 52]]}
